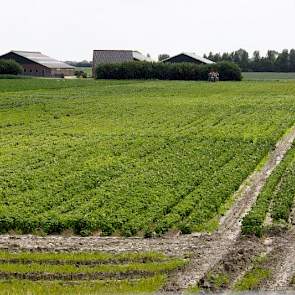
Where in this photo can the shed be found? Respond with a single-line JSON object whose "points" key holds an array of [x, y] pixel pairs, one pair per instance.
{"points": [[188, 57], [40, 65], [116, 56]]}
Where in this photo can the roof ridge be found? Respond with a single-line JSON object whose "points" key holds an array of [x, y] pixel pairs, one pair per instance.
{"points": [[115, 50], [26, 51]]}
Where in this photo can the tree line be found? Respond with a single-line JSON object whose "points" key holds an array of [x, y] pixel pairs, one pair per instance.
{"points": [[273, 61]]}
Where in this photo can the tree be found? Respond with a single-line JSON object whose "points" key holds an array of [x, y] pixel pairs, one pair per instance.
{"points": [[270, 60], [256, 61], [282, 62], [225, 57], [211, 56], [163, 56], [241, 57], [292, 60], [10, 67], [217, 57]]}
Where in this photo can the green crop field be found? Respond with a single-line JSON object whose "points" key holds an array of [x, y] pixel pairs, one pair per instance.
{"points": [[131, 157], [66, 273], [268, 76], [276, 198]]}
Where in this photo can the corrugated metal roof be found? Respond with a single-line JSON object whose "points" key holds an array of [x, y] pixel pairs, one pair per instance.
{"points": [[117, 56], [194, 56], [138, 56], [200, 58], [42, 59]]}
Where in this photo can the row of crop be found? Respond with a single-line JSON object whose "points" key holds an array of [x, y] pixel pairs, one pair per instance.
{"points": [[204, 203], [149, 285], [210, 176], [66, 273], [150, 267], [167, 71], [81, 258], [154, 156], [283, 198], [276, 197]]}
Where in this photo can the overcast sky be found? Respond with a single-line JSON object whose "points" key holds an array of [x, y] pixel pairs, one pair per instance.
{"points": [[71, 29]]}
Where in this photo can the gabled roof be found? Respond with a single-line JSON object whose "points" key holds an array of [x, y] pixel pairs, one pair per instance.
{"points": [[42, 59], [117, 56], [192, 55]]}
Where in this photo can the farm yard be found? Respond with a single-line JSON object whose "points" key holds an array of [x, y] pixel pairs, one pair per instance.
{"points": [[150, 159]]}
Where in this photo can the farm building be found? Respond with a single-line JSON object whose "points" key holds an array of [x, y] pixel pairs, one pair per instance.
{"points": [[188, 57], [40, 65], [116, 56]]}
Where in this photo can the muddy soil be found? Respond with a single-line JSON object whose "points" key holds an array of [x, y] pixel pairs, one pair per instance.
{"points": [[235, 263], [282, 261]]}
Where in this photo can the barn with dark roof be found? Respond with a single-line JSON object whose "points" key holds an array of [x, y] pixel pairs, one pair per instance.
{"points": [[188, 57], [40, 65], [116, 56]]}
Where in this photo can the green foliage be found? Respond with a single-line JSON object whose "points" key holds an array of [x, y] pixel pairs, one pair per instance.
{"points": [[280, 190], [82, 257], [102, 287], [218, 281], [140, 272], [229, 71], [149, 267], [10, 67], [167, 71], [80, 74], [273, 61], [252, 279], [131, 157]]}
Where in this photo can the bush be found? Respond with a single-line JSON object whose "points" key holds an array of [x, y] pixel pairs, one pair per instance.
{"points": [[229, 71], [167, 71], [80, 74], [10, 67]]}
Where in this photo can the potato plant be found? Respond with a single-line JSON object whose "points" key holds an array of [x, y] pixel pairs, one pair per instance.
{"points": [[131, 157]]}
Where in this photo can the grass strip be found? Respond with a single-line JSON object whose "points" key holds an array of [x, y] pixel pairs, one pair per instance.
{"points": [[254, 277], [153, 267], [83, 258], [145, 285]]}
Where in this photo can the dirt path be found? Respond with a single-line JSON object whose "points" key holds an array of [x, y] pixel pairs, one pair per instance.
{"points": [[207, 250], [220, 243], [283, 268]]}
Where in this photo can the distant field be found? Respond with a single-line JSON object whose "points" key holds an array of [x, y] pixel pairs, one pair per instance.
{"points": [[88, 71], [268, 76], [131, 157]]}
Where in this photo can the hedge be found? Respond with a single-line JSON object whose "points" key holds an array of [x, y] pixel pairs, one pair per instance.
{"points": [[10, 67], [167, 71]]}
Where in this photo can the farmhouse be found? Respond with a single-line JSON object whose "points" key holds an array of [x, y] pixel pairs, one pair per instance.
{"points": [[188, 57], [40, 65], [116, 56]]}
